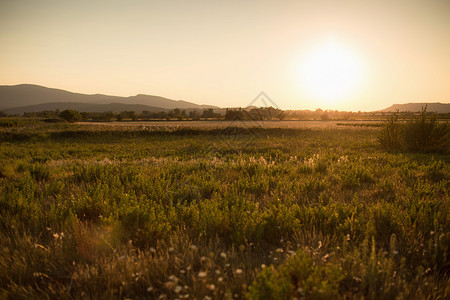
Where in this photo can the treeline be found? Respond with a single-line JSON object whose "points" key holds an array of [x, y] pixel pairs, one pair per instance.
{"points": [[257, 114], [178, 114], [270, 113]]}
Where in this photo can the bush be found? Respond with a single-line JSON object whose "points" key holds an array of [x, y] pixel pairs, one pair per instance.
{"points": [[426, 134], [390, 137], [299, 277], [70, 115], [419, 134]]}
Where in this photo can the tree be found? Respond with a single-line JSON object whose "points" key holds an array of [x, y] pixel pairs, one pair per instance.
{"points": [[70, 115], [194, 115]]}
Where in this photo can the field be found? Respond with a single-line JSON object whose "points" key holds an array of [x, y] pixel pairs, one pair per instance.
{"points": [[161, 125], [220, 211]]}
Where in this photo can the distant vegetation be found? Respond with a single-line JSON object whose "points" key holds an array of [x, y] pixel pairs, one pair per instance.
{"points": [[250, 113], [415, 133], [70, 115], [280, 213]]}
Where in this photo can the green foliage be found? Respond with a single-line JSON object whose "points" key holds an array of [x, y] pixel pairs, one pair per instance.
{"points": [[95, 212], [299, 277], [70, 115], [390, 136], [270, 284], [423, 133]]}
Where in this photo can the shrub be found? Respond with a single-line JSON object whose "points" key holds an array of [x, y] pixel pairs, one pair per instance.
{"points": [[426, 134], [390, 137], [419, 134], [299, 277], [70, 115]]}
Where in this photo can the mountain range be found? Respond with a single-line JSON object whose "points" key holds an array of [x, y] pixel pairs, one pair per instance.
{"points": [[17, 99], [415, 107]]}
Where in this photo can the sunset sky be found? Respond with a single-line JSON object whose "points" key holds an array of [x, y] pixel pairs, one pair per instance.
{"points": [[345, 55]]}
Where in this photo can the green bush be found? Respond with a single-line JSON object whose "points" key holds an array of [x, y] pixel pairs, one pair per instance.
{"points": [[299, 277], [390, 136], [70, 115], [423, 133]]}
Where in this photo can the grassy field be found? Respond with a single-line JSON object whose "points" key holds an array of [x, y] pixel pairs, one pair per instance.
{"points": [[206, 124], [136, 212]]}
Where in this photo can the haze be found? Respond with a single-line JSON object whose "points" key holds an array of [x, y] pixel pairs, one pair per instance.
{"points": [[225, 53]]}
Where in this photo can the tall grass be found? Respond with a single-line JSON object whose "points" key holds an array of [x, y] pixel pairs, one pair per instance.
{"points": [[315, 214]]}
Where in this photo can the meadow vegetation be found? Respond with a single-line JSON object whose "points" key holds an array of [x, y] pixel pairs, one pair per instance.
{"points": [[417, 133], [94, 212]]}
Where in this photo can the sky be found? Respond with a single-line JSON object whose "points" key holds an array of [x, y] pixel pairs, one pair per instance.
{"points": [[328, 54]]}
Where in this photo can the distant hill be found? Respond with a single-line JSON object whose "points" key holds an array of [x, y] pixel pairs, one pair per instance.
{"points": [[27, 98], [83, 107], [415, 107]]}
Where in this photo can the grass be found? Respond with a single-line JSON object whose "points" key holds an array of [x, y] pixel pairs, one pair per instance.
{"points": [[101, 212]]}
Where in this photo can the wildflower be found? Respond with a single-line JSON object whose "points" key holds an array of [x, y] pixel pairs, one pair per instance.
{"points": [[279, 250], [193, 247], [212, 287], [152, 250], [202, 274], [239, 271], [263, 266], [223, 255], [173, 278], [149, 289], [177, 289], [217, 272]]}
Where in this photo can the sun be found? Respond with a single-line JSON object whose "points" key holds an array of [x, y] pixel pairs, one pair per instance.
{"points": [[330, 73]]}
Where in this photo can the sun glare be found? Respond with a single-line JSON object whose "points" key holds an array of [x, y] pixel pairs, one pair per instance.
{"points": [[330, 73]]}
